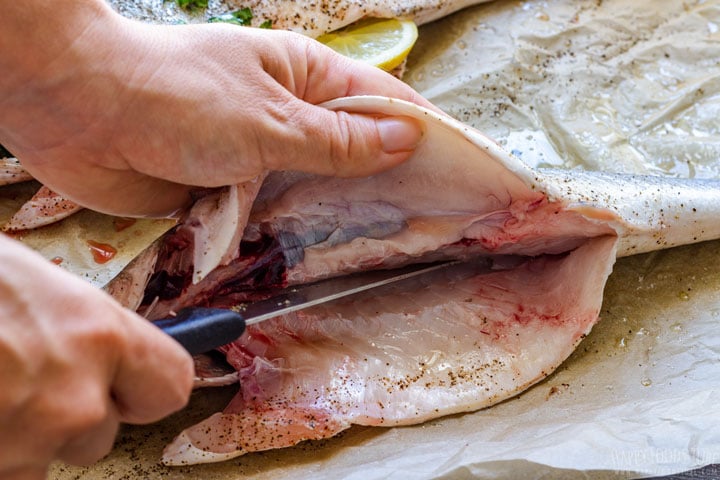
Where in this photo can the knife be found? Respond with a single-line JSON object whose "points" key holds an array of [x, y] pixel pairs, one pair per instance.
{"points": [[201, 329]]}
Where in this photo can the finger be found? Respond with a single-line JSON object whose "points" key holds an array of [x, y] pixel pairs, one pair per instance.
{"points": [[154, 377], [112, 191], [332, 76], [343, 144], [25, 473], [91, 446], [318, 74], [131, 193]]}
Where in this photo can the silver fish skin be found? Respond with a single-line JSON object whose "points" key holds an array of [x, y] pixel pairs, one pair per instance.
{"points": [[651, 212]]}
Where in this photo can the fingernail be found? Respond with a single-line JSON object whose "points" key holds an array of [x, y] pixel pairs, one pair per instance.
{"points": [[399, 134]]}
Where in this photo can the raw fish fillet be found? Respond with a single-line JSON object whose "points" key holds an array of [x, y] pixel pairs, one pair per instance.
{"points": [[44, 208], [12, 172], [540, 246], [405, 355]]}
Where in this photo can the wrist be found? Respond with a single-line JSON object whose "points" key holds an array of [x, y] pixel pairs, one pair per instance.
{"points": [[60, 69], [36, 35]]}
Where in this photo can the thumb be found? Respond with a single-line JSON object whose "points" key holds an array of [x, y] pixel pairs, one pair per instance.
{"points": [[28, 473], [155, 374], [347, 144]]}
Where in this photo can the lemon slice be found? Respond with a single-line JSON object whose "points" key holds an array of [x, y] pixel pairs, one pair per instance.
{"points": [[383, 42]]}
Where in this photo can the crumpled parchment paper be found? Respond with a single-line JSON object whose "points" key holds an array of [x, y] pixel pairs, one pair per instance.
{"points": [[66, 242], [630, 86]]}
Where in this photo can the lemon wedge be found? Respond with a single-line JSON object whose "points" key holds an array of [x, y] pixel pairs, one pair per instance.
{"points": [[383, 42]]}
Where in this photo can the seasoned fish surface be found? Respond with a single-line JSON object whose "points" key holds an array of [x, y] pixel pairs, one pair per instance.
{"points": [[11, 171], [44, 208], [404, 356], [309, 17]]}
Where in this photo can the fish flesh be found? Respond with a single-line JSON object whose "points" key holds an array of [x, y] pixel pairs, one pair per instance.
{"points": [[540, 245], [12, 172], [44, 208], [547, 241], [308, 17], [404, 356]]}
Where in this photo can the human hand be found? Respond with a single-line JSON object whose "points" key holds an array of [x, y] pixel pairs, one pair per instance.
{"points": [[129, 115], [73, 364]]}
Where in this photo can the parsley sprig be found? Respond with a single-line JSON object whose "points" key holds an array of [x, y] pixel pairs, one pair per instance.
{"points": [[242, 17], [192, 4], [239, 17]]}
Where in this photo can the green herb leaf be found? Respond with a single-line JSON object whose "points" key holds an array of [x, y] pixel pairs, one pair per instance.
{"points": [[192, 4], [266, 24], [239, 17], [244, 14]]}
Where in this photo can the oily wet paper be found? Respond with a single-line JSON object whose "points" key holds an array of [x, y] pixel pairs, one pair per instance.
{"points": [[621, 86], [69, 243]]}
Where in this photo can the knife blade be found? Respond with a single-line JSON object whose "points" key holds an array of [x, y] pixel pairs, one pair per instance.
{"points": [[201, 329]]}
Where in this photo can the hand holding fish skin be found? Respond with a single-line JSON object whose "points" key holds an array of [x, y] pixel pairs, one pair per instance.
{"points": [[73, 364], [124, 117]]}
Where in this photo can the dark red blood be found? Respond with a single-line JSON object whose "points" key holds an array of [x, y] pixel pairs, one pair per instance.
{"points": [[254, 274]]}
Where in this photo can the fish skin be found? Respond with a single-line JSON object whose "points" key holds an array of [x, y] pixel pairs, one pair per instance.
{"points": [[365, 361], [666, 212], [308, 17]]}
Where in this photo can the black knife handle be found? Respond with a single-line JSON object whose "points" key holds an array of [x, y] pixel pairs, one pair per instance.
{"points": [[200, 329]]}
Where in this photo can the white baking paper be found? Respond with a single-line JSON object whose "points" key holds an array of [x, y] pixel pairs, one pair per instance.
{"points": [[630, 86]]}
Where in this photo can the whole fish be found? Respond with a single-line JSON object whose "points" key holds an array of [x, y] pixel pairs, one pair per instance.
{"points": [[540, 245]]}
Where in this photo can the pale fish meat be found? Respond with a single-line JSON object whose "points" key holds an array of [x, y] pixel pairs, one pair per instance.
{"points": [[44, 208], [12, 172], [540, 246], [309, 17]]}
